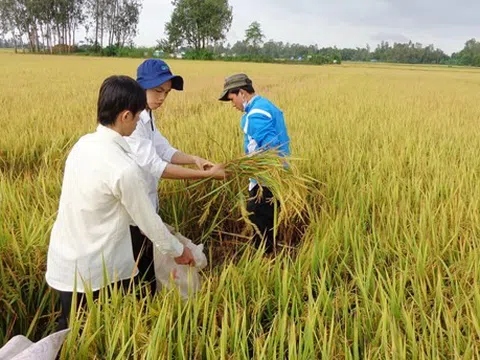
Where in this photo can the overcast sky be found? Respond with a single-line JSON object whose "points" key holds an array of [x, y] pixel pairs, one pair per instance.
{"points": [[346, 23]]}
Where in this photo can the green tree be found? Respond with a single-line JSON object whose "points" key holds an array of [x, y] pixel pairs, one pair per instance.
{"points": [[166, 46], [7, 23], [254, 36], [43, 22], [126, 15], [198, 23], [239, 48], [273, 49], [18, 18], [470, 55]]}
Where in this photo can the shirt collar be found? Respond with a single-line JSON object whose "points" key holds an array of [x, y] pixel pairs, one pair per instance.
{"points": [[250, 103], [112, 135], [145, 116]]}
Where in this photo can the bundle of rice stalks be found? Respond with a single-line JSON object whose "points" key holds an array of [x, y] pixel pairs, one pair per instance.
{"points": [[295, 195]]}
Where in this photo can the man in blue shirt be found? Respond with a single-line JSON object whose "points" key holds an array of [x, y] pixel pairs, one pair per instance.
{"points": [[263, 125]]}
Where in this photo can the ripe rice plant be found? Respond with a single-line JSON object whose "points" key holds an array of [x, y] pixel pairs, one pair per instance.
{"points": [[378, 221]]}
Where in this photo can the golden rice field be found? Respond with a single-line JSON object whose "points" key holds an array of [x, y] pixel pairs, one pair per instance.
{"points": [[388, 266]]}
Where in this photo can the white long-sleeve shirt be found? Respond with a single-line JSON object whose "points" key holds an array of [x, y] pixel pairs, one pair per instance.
{"points": [[103, 193], [153, 152]]}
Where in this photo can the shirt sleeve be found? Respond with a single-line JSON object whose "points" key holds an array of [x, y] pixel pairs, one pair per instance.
{"points": [[163, 147], [146, 154], [261, 128], [131, 189]]}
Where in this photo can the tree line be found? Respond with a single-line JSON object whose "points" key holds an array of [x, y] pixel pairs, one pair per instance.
{"points": [[50, 24], [197, 28]]}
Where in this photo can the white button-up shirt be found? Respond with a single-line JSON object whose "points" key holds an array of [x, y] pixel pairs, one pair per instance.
{"points": [[153, 152], [103, 193]]}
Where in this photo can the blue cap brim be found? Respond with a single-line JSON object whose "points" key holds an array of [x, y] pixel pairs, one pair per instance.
{"points": [[177, 82]]}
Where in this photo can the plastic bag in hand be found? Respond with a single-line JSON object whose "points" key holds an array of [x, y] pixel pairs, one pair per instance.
{"points": [[186, 278]]}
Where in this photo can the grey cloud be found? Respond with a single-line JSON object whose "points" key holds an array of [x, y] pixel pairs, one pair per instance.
{"points": [[390, 13], [428, 13], [394, 37]]}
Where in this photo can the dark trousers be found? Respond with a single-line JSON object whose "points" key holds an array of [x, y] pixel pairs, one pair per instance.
{"points": [[262, 215], [143, 255], [66, 299]]}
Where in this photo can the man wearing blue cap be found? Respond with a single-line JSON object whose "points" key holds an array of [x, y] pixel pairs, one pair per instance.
{"points": [[157, 157]]}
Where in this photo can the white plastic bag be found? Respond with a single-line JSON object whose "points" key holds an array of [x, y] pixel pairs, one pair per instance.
{"points": [[185, 277], [20, 348]]}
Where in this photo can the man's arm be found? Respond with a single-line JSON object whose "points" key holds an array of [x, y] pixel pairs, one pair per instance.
{"points": [[176, 172], [146, 155], [131, 189], [162, 147], [149, 160], [177, 157], [180, 158]]}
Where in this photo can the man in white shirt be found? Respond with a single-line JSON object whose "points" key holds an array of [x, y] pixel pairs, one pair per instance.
{"points": [[156, 156], [103, 193]]}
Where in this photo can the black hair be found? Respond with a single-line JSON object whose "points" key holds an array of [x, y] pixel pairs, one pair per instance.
{"points": [[248, 88], [117, 94]]}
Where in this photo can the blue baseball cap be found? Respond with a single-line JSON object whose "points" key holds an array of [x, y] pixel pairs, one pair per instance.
{"points": [[154, 72]]}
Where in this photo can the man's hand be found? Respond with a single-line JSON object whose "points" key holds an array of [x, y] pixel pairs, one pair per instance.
{"points": [[217, 172], [202, 164], [186, 258]]}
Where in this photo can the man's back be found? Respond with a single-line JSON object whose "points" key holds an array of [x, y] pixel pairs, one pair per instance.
{"points": [[92, 223], [265, 124]]}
